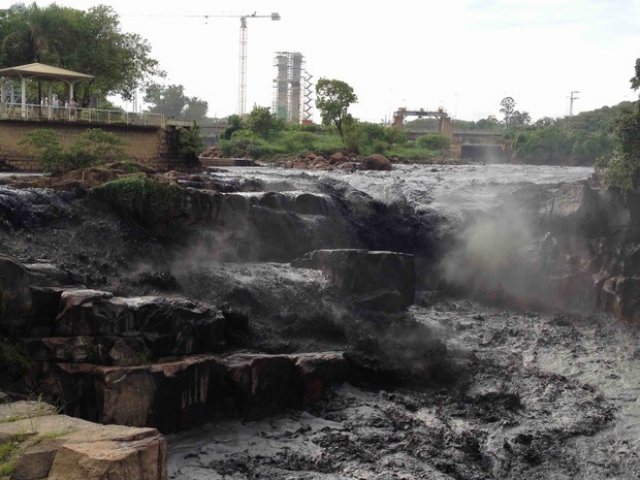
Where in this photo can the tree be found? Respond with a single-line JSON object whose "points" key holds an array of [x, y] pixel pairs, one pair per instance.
{"points": [[235, 124], [87, 41], [333, 98], [262, 122], [622, 169], [491, 122], [507, 107], [519, 119], [172, 102]]}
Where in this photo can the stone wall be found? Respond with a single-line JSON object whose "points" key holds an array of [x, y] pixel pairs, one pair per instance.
{"points": [[144, 144]]}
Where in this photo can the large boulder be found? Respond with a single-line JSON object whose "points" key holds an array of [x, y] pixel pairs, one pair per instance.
{"points": [[373, 280], [28, 296], [317, 372], [52, 446], [187, 391], [376, 162], [338, 158], [170, 395], [174, 326], [621, 296], [263, 384]]}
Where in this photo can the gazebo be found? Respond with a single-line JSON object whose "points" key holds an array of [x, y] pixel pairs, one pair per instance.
{"points": [[40, 71]]}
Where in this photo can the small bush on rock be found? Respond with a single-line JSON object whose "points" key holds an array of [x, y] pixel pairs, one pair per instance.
{"points": [[146, 199]]}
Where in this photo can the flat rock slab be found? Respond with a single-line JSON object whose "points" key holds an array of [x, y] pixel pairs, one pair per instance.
{"points": [[376, 280], [59, 447], [184, 392]]}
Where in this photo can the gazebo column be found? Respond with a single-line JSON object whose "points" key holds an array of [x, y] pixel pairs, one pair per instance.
{"points": [[71, 84], [23, 82], [49, 104], [3, 105]]}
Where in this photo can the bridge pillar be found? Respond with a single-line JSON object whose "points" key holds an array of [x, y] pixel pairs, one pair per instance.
{"points": [[446, 128], [398, 117]]}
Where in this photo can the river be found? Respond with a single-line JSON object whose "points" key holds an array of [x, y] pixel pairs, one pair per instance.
{"points": [[541, 394]]}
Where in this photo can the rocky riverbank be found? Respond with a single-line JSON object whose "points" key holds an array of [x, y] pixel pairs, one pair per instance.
{"points": [[175, 300]]}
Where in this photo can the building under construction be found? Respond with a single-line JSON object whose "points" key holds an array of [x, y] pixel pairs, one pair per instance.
{"points": [[292, 88]]}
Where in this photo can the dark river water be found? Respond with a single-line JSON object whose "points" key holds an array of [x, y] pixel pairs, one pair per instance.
{"points": [[548, 395]]}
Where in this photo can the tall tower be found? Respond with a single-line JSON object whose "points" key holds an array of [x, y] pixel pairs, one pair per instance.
{"points": [[295, 74], [288, 86], [281, 100]]}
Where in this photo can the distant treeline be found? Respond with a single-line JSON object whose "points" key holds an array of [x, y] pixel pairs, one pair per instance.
{"points": [[580, 140]]}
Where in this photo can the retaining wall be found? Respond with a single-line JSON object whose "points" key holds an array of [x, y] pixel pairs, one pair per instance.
{"points": [[144, 144]]}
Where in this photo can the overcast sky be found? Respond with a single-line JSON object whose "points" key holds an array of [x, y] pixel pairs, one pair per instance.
{"points": [[464, 55]]}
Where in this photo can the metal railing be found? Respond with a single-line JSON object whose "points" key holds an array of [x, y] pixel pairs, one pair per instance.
{"points": [[15, 111]]}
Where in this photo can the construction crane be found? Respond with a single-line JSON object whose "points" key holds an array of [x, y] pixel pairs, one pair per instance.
{"points": [[242, 87]]}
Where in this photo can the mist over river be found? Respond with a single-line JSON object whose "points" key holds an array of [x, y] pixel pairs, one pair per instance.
{"points": [[542, 390]]}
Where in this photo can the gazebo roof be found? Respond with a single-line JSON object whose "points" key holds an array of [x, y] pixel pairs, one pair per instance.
{"points": [[40, 70]]}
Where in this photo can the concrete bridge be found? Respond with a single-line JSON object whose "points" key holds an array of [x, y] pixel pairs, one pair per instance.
{"points": [[486, 146]]}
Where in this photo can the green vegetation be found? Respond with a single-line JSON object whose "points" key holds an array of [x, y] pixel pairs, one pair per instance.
{"points": [[173, 103], [622, 167], [86, 41], [433, 141], [8, 458], [185, 143], [557, 145], [261, 136], [92, 147], [333, 98], [147, 199]]}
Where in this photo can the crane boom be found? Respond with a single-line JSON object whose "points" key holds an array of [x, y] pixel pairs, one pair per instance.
{"points": [[242, 81], [242, 87]]}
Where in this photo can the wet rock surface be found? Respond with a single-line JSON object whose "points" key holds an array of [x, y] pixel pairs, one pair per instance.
{"points": [[550, 397], [378, 281], [47, 445], [190, 319]]}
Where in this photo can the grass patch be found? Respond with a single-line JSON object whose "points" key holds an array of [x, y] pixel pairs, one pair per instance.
{"points": [[414, 153], [147, 199], [9, 454]]}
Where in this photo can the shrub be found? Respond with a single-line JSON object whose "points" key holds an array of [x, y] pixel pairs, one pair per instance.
{"points": [[94, 147], [619, 170], [91, 147], [379, 146], [45, 143], [297, 142], [262, 122], [186, 143], [433, 141], [146, 199]]}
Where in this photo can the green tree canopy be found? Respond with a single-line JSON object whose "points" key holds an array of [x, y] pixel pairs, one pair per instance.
{"points": [[262, 122], [622, 168], [507, 107], [333, 98], [88, 41], [172, 101]]}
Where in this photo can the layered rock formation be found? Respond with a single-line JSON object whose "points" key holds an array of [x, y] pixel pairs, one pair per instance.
{"points": [[44, 444], [379, 281]]}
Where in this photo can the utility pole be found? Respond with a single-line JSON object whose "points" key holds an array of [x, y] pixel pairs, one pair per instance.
{"points": [[572, 98]]}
